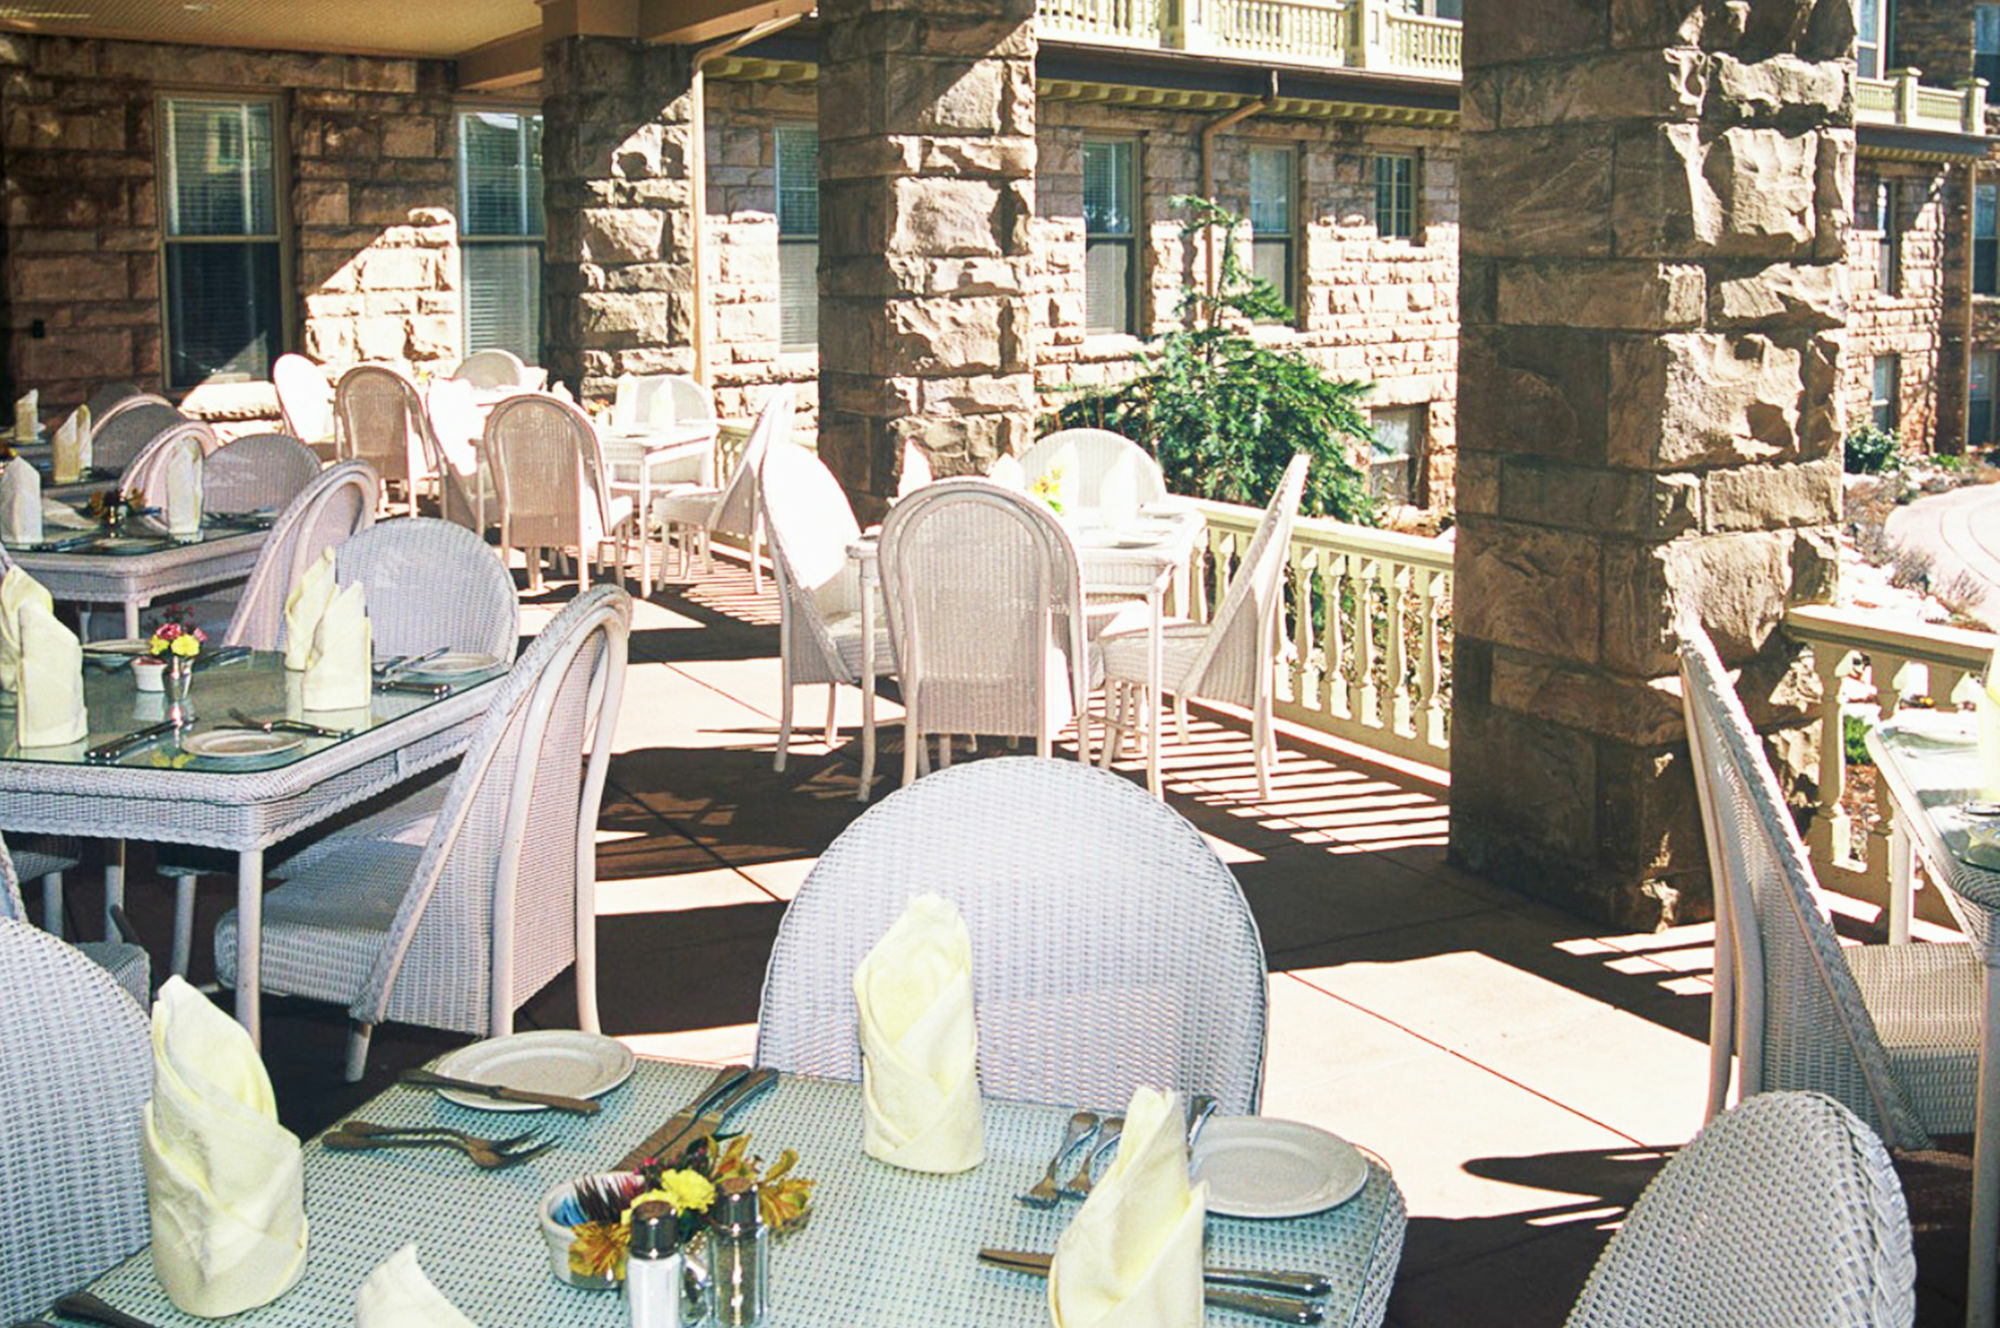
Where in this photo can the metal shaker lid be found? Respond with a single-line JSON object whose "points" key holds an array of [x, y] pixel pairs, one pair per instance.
{"points": [[655, 1233], [736, 1204]]}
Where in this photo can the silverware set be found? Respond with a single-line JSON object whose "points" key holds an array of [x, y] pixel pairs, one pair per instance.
{"points": [[130, 742], [246, 721], [397, 665], [487, 1154], [1091, 1137]]}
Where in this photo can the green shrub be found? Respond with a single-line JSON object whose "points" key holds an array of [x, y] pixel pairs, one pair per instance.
{"points": [[1854, 739], [1871, 451], [1224, 414]]}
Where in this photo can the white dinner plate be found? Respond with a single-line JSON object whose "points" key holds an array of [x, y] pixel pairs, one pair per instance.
{"points": [[239, 744], [1257, 1167], [556, 1060], [447, 667], [123, 645]]}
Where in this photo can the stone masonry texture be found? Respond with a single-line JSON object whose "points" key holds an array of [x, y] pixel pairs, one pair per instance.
{"points": [[1655, 224]]}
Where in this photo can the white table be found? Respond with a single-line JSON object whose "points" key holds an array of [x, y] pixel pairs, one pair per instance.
{"points": [[1928, 782], [223, 552], [633, 458], [1135, 558], [159, 794]]}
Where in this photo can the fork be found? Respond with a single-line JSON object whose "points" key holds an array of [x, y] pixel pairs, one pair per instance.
{"points": [[370, 1130], [1045, 1193], [1079, 1184], [487, 1159], [244, 720]]}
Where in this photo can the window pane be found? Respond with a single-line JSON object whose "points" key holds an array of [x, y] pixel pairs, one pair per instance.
{"points": [[798, 295], [1886, 371], [500, 173], [1986, 29], [1107, 188], [1448, 9], [223, 311], [797, 153], [1271, 191], [1979, 415], [219, 158], [1868, 37], [1107, 282], [1395, 197], [503, 299], [1272, 261], [1392, 460]]}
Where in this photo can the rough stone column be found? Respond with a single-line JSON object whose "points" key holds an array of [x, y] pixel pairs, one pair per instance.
{"points": [[618, 276], [1654, 224], [927, 164]]}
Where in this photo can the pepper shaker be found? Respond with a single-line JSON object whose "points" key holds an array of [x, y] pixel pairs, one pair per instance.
{"points": [[653, 1268], [740, 1246]]}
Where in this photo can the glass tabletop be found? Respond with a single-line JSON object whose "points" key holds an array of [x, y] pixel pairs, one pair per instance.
{"points": [[258, 685], [1937, 754], [135, 537]]}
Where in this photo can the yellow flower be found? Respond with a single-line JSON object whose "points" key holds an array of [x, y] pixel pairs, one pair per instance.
{"points": [[187, 646], [598, 1249], [682, 1191], [160, 645]]}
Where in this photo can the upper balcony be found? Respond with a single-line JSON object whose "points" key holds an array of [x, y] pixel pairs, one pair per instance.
{"points": [[1901, 100], [1341, 34]]}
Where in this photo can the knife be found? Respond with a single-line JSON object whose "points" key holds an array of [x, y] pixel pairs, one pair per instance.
{"points": [[83, 1305], [117, 747], [1281, 1282], [731, 1089], [439, 690], [502, 1093]]}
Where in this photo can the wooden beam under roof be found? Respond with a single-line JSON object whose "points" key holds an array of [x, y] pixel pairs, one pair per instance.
{"points": [[689, 22], [507, 63], [517, 59]]}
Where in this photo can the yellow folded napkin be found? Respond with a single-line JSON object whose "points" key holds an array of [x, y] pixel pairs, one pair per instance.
{"points": [[303, 608], [71, 447], [224, 1181], [48, 707], [398, 1295], [919, 1045], [1132, 1256], [20, 504], [17, 590], [338, 671], [183, 488], [27, 413]]}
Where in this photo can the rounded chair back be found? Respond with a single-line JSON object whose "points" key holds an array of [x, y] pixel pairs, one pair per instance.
{"points": [[257, 472], [432, 585], [145, 479], [492, 369], [1095, 470], [379, 417], [1110, 946], [305, 397], [340, 501], [126, 429], [738, 507], [108, 396], [548, 473]]}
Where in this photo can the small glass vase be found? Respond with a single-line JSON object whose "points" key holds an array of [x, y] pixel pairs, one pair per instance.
{"points": [[179, 675]]}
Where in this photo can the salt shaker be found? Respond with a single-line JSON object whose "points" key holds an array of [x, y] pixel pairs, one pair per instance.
{"points": [[653, 1269], [740, 1246]]}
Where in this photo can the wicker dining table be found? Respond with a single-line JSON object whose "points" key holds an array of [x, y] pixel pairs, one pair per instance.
{"points": [[884, 1248], [161, 794], [140, 567]]}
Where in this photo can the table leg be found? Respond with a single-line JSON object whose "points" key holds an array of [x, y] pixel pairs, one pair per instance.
{"points": [[114, 885], [249, 938], [640, 519], [868, 575], [1985, 1249], [1155, 647], [1902, 881], [131, 619]]}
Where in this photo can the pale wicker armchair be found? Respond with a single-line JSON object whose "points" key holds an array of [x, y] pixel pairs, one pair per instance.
{"points": [[1096, 471], [549, 476], [431, 585], [73, 1090], [259, 472], [339, 502], [145, 478], [1232, 658], [454, 426], [492, 370], [1890, 1031], [107, 397], [1784, 1213], [646, 411], [127, 963], [458, 931], [737, 506], [916, 471], [985, 606], [379, 418], [1110, 946], [305, 399], [819, 590], [127, 427]]}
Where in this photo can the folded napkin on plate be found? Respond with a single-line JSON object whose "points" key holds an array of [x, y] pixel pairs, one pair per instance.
{"points": [[20, 504], [48, 702], [183, 488], [1132, 1256], [303, 608], [919, 1045], [1007, 472], [27, 413], [224, 1181], [70, 449], [339, 672], [17, 589], [398, 1295]]}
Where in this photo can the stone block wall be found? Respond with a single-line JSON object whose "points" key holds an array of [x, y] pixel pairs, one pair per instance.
{"points": [[368, 161], [1908, 323], [1934, 36]]}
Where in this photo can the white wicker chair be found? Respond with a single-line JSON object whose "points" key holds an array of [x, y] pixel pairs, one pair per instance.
{"points": [[985, 606], [1231, 658], [454, 426], [657, 401], [737, 506], [659, 404], [126, 429], [819, 591], [127, 963], [379, 419], [305, 398], [1784, 1213], [1890, 1031], [548, 473], [1096, 471], [916, 472], [491, 370], [107, 396], [73, 1089], [257, 472], [458, 931], [1110, 946], [145, 478], [339, 502], [431, 585]]}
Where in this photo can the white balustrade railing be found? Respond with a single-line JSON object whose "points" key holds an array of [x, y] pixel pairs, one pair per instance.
{"points": [[1299, 31], [1364, 34], [1366, 633], [1126, 22]]}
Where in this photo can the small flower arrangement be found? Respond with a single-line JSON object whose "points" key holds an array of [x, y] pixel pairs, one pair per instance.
{"points": [[1048, 487], [687, 1185], [108, 508], [177, 636]]}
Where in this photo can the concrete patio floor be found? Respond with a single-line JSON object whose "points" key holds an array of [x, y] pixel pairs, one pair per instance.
{"points": [[1522, 1073]]}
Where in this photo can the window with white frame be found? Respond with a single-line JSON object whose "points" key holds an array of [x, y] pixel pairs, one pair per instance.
{"points": [[1986, 45], [1878, 219], [1985, 368], [501, 230], [1396, 196], [1395, 453], [223, 252], [1111, 236], [796, 153], [1874, 24], [1884, 398], [1273, 180]]}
